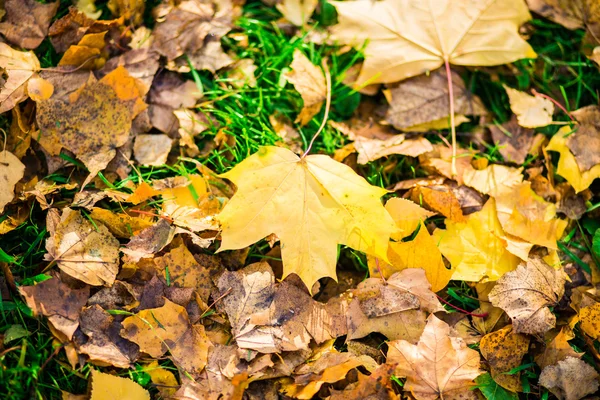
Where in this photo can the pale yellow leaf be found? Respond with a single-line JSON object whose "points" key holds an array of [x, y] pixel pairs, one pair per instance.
{"points": [[531, 111], [309, 81], [110, 387], [11, 172]]}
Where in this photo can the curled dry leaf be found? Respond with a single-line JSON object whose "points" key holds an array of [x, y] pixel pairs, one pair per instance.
{"points": [[27, 22], [20, 66], [531, 111], [401, 44], [110, 387], [570, 379], [526, 293], [309, 81], [344, 209], [58, 302], [84, 251], [11, 172], [439, 366], [417, 102], [504, 349], [152, 150], [119, 224]]}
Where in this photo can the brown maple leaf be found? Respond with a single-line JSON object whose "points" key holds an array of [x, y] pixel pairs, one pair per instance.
{"points": [[27, 22]]}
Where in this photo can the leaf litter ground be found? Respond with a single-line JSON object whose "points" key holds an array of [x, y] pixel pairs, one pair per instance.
{"points": [[132, 269]]}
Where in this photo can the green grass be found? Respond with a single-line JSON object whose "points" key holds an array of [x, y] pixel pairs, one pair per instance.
{"points": [[29, 366]]}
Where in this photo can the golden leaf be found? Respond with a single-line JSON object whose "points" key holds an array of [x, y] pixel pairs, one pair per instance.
{"points": [[11, 172], [309, 81], [110, 387], [531, 111]]}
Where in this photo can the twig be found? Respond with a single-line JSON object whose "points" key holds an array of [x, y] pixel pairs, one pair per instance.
{"points": [[327, 106], [452, 122], [461, 310], [215, 302], [545, 96]]}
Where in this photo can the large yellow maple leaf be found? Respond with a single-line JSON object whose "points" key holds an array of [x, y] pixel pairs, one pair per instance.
{"points": [[311, 203], [410, 37]]}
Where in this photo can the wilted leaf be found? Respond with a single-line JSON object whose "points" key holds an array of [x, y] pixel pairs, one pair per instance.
{"points": [[374, 149], [110, 387], [58, 302], [84, 251], [309, 81], [27, 21], [558, 349], [119, 224], [326, 204], [526, 293], [424, 99], [504, 350], [20, 66], [531, 111], [476, 248], [439, 366], [11, 172], [572, 14], [570, 379], [405, 44], [87, 53]]}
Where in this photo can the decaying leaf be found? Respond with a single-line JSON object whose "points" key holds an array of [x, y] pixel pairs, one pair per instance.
{"points": [[570, 379], [84, 251], [589, 317], [494, 180], [326, 204], [439, 366], [58, 302], [132, 10], [558, 349], [110, 387], [531, 111], [309, 81], [20, 66], [584, 142], [27, 22], [404, 44], [513, 140], [11, 172], [476, 248], [504, 350], [149, 241], [376, 386], [526, 293], [424, 99]]}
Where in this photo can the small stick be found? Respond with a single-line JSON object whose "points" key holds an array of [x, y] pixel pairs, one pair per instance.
{"points": [[452, 122], [545, 96], [215, 302], [327, 106]]}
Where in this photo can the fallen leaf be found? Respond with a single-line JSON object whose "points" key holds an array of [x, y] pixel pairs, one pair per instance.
{"points": [[526, 293], [373, 149], [132, 10], [588, 316], [84, 251], [491, 390], [165, 380], [531, 111], [27, 22], [242, 73], [440, 160], [377, 386], [20, 66], [558, 349], [514, 142], [309, 81], [504, 350], [11, 172], [440, 199], [58, 302], [570, 379], [401, 44], [108, 387], [152, 150], [572, 14], [211, 57], [476, 248], [424, 99], [298, 12], [586, 139], [439, 366], [568, 167], [149, 241], [326, 204], [88, 7], [119, 224], [191, 124], [86, 54], [494, 180]]}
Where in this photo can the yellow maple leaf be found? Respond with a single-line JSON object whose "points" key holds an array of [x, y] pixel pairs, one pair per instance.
{"points": [[567, 164], [312, 204], [476, 248], [410, 37]]}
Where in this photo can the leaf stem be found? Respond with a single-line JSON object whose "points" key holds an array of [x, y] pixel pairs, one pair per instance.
{"points": [[452, 122], [461, 310], [545, 96], [327, 106]]}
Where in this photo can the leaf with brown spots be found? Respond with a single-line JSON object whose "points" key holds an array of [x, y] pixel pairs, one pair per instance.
{"points": [[589, 317], [558, 349], [526, 293], [570, 379], [27, 22], [504, 350]]}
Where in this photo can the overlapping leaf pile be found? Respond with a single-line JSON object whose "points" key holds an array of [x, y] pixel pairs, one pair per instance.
{"points": [[157, 273]]}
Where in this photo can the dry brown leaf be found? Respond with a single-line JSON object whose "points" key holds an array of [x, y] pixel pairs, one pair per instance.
{"points": [[440, 160], [149, 241], [558, 349], [439, 366], [27, 22], [92, 122], [290, 136], [570, 379], [11, 172], [504, 350], [531, 111], [309, 81], [586, 140], [141, 64], [110, 387], [152, 150], [514, 141], [191, 124], [330, 367], [84, 251], [58, 302], [526, 293], [211, 57], [404, 44], [424, 99], [20, 66], [377, 386]]}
